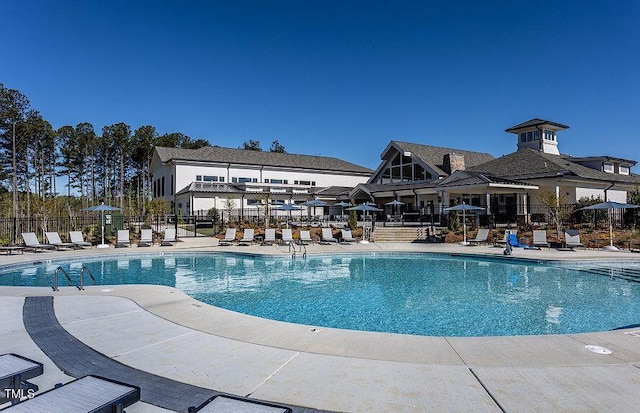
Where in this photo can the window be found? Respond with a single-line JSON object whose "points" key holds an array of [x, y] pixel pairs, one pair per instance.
{"points": [[172, 185], [523, 137], [242, 180], [162, 186], [198, 177], [536, 135], [276, 181], [221, 179], [624, 170], [313, 183], [529, 136], [303, 183], [607, 167], [209, 178]]}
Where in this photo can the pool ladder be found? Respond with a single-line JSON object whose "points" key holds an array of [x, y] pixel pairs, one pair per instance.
{"points": [[70, 282], [292, 249]]}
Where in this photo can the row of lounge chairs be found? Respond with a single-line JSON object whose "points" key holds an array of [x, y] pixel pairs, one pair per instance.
{"points": [[93, 393], [31, 241], [571, 238], [248, 237]]}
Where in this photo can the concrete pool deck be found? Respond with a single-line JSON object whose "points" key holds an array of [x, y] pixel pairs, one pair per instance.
{"points": [[162, 331]]}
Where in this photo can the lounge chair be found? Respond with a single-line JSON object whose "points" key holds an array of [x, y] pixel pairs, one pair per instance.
{"points": [[347, 238], [305, 238], [54, 239], [503, 242], [247, 237], [225, 403], [287, 236], [123, 238], [86, 394], [327, 235], [169, 237], [78, 240], [229, 237], [572, 238], [146, 238], [481, 236], [31, 242], [269, 236], [540, 238], [15, 370]]}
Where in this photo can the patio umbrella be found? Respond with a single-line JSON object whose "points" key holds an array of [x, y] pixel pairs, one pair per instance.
{"points": [[288, 207], [342, 204], [102, 208], [610, 206], [395, 203], [464, 208]]}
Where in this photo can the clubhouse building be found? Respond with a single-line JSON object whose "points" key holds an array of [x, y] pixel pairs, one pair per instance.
{"points": [[425, 179]]}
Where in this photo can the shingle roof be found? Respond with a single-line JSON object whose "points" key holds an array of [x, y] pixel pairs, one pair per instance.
{"points": [[468, 178], [535, 122], [433, 156], [247, 157], [209, 187], [529, 163]]}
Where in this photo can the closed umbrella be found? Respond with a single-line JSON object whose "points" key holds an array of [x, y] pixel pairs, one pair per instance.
{"points": [[610, 206], [288, 207], [464, 208], [102, 208]]}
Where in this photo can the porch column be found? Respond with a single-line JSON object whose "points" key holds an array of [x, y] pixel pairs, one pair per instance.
{"points": [[487, 200], [557, 192]]}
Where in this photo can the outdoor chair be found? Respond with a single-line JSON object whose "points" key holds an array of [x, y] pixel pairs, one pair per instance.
{"points": [[77, 239], [146, 238], [503, 242], [123, 238], [169, 237], [247, 237], [347, 238], [572, 239], [229, 237], [269, 236], [481, 236], [287, 236], [31, 242], [305, 238], [15, 370], [226, 403], [54, 239], [327, 236], [86, 394], [540, 238]]}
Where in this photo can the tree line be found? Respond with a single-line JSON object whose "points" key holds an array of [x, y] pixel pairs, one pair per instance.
{"points": [[112, 165]]}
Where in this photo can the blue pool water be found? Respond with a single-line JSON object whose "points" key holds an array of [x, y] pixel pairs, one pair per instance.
{"points": [[422, 294]]}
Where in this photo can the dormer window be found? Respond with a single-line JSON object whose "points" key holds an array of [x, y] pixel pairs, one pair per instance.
{"points": [[624, 170], [607, 167], [523, 137]]}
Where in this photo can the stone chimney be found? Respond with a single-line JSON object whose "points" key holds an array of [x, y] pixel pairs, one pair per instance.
{"points": [[453, 162]]}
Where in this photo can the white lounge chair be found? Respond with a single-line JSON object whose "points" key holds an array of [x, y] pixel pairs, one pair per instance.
{"points": [[78, 239], [327, 235], [31, 242], [54, 239], [86, 394], [247, 237], [540, 238], [226, 403], [146, 238], [305, 238], [481, 236], [269, 236], [123, 238], [169, 237], [287, 236], [572, 238], [229, 237], [347, 237], [15, 370]]}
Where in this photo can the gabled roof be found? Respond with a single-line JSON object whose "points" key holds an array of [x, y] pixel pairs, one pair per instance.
{"points": [[259, 158], [535, 122], [433, 156], [472, 178], [528, 163]]}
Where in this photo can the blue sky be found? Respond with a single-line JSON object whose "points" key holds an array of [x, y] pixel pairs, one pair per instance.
{"points": [[334, 78]]}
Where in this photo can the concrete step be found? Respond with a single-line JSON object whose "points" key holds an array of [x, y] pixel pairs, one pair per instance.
{"points": [[400, 234]]}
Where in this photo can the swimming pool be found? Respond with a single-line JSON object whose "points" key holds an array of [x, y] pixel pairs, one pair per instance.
{"points": [[423, 294]]}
